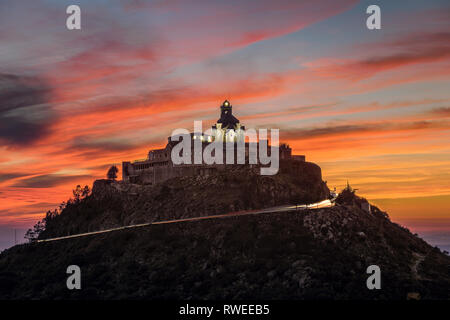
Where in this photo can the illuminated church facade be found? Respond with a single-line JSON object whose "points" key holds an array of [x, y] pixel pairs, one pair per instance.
{"points": [[228, 127]]}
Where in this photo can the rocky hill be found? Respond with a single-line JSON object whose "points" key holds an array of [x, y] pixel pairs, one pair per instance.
{"points": [[114, 204], [310, 254], [301, 254]]}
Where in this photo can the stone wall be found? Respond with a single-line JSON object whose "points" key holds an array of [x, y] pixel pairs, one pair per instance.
{"points": [[155, 170]]}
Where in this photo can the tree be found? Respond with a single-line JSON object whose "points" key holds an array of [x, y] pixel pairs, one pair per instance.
{"points": [[33, 234], [80, 193], [62, 206], [50, 215], [346, 196], [348, 188], [77, 193], [112, 173], [85, 192]]}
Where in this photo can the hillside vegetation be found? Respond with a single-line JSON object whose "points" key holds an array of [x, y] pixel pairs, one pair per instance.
{"points": [[317, 254]]}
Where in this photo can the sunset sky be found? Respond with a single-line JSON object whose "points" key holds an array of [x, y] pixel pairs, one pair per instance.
{"points": [[368, 106]]}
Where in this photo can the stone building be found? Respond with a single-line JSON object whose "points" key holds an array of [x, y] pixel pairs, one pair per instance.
{"points": [[158, 166]]}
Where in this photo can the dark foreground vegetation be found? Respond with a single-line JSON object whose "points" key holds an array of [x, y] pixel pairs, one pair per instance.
{"points": [[317, 254]]}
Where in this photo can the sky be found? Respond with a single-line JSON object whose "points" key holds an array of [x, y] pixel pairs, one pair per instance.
{"points": [[368, 106]]}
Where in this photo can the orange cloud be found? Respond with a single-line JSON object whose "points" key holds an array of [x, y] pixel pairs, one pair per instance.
{"points": [[414, 49]]}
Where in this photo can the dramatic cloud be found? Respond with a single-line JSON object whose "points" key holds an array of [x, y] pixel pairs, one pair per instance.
{"points": [[414, 49], [47, 181], [25, 114], [9, 176], [441, 112], [356, 129]]}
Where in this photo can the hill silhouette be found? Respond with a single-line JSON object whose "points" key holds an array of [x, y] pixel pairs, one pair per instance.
{"points": [[301, 254]]}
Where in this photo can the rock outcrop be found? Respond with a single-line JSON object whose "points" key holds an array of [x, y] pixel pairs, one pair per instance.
{"points": [[114, 204]]}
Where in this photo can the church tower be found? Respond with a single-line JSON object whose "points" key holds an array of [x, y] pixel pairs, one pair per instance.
{"points": [[228, 128]]}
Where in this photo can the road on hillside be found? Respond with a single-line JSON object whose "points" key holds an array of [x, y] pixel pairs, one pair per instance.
{"points": [[317, 205]]}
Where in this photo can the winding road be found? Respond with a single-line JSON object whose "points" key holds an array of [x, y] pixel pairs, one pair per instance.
{"points": [[318, 205]]}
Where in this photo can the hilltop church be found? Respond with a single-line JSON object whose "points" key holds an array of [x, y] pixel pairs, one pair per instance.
{"points": [[158, 166]]}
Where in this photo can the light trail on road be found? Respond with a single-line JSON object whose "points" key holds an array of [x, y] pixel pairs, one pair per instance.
{"points": [[318, 205]]}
